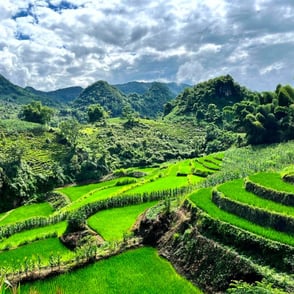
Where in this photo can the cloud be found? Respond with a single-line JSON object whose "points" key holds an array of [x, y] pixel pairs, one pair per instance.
{"points": [[59, 43]]}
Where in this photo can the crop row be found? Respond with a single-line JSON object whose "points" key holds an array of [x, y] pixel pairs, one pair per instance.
{"points": [[256, 215], [235, 191], [202, 198], [286, 198], [243, 235]]}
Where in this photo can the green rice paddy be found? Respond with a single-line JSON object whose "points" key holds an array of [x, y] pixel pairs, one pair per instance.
{"points": [[134, 271], [31, 235], [111, 224], [272, 181], [235, 190], [160, 184], [25, 212], [202, 199], [75, 192], [42, 248]]}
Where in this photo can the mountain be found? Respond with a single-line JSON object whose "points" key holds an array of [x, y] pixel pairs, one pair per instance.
{"points": [[149, 104], [221, 91], [142, 87], [106, 95], [63, 96], [13, 94], [152, 102]]}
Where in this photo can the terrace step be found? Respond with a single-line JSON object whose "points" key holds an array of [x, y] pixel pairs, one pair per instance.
{"points": [[243, 239], [256, 215], [272, 187]]}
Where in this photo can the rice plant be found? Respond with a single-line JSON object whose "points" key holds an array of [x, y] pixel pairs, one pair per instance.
{"points": [[202, 198]]}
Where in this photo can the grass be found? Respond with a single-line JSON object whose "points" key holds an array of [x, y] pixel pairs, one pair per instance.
{"points": [[235, 190], [111, 224], [202, 199], [198, 166], [241, 162], [32, 235], [96, 196], [208, 164], [25, 212], [135, 271], [75, 192], [272, 181], [42, 248], [160, 184], [185, 167]]}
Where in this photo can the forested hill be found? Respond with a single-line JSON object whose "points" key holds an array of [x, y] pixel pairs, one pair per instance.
{"points": [[63, 96], [142, 87], [151, 103], [221, 91], [109, 97], [13, 94]]}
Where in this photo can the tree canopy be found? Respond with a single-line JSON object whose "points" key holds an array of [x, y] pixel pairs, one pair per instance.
{"points": [[36, 112]]}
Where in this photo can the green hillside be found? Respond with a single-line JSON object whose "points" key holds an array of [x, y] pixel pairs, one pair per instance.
{"points": [[13, 94], [82, 195], [109, 97], [62, 96], [142, 87]]}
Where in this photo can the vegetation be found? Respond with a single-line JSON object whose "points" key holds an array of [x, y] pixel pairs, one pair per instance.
{"points": [[111, 162], [109, 276], [25, 212], [114, 224], [273, 181], [36, 112], [29, 236], [202, 199], [235, 190], [42, 249]]}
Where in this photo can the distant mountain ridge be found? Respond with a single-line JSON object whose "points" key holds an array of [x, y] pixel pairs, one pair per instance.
{"points": [[13, 94], [148, 104], [146, 98], [101, 92], [64, 96], [142, 87]]}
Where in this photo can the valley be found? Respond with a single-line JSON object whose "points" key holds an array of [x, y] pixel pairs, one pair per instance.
{"points": [[112, 195]]}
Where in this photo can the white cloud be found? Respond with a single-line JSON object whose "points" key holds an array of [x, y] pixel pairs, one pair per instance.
{"points": [[121, 40]]}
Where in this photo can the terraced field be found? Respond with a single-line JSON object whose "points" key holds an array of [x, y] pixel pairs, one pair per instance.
{"points": [[257, 228], [142, 267], [25, 212], [37, 243], [110, 208], [113, 223]]}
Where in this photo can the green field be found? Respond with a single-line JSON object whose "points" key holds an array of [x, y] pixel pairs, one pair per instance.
{"points": [[202, 198], [235, 191], [272, 181], [25, 212], [32, 235], [111, 224], [135, 271], [75, 192], [161, 184], [42, 248], [95, 196]]}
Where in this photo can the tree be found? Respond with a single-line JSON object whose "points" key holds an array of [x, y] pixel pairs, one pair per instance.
{"points": [[69, 129], [36, 112], [96, 113]]}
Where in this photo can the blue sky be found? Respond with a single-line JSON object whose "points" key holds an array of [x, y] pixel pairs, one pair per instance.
{"points": [[56, 44]]}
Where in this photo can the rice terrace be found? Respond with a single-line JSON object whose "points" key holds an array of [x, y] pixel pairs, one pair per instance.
{"points": [[146, 147]]}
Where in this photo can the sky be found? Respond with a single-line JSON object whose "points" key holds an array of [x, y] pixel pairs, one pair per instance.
{"points": [[56, 44]]}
